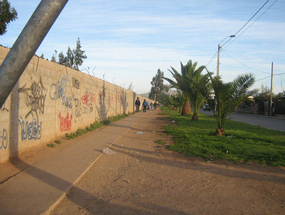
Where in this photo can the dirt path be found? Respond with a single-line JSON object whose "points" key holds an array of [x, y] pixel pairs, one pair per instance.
{"points": [[144, 178]]}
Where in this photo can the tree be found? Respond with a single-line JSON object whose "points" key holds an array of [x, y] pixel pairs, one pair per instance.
{"points": [[61, 58], [7, 14], [228, 96], [78, 55], [158, 89], [73, 59], [197, 83], [187, 82], [176, 101], [53, 59], [69, 59], [180, 83]]}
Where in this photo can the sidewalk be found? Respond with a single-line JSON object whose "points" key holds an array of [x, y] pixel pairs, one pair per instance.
{"points": [[37, 189]]}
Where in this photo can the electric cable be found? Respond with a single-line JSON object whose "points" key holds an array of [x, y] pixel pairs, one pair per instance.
{"points": [[244, 31], [243, 63], [247, 22], [250, 24], [212, 58], [268, 77], [263, 78]]}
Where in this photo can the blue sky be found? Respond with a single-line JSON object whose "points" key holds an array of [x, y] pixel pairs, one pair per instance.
{"points": [[128, 41]]}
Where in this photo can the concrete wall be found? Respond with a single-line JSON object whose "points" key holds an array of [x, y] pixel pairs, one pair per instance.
{"points": [[50, 100]]}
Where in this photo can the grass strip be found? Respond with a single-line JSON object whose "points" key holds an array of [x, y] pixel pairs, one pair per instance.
{"points": [[94, 126], [242, 143]]}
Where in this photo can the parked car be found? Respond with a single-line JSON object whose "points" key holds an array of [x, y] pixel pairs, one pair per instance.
{"points": [[207, 107]]}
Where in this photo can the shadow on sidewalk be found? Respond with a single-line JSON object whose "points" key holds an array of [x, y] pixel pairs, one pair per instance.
{"points": [[217, 170], [66, 186]]}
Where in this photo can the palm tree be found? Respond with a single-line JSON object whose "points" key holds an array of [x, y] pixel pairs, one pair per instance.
{"points": [[228, 96], [180, 83], [198, 83], [188, 81], [175, 102]]}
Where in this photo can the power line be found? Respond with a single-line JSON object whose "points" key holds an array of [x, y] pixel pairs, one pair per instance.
{"points": [[244, 64], [263, 78], [250, 24], [251, 17], [212, 58], [280, 74], [232, 36], [269, 77], [247, 22]]}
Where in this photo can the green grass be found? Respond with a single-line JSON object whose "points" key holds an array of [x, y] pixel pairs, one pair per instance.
{"points": [[51, 145], [162, 142], [57, 142], [243, 142], [94, 126]]}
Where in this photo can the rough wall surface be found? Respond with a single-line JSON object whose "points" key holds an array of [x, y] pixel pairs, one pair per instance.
{"points": [[50, 100]]}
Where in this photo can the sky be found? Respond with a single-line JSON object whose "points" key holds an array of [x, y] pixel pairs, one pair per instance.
{"points": [[127, 41]]}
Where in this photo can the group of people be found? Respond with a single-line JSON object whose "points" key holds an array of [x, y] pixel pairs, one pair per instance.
{"points": [[145, 105]]}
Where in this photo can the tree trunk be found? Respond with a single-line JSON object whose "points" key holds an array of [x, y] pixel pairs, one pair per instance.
{"points": [[186, 109], [220, 132], [195, 117]]}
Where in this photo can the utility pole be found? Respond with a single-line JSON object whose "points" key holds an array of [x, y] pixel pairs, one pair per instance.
{"points": [[271, 89], [218, 60], [26, 45], [219, 51]]}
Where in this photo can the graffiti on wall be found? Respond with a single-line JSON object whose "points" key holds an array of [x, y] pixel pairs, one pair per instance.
{"points": [[65, 122], [110, 99], [3, 139], [102, 109], [35, 97], [30, 129], [92, 97], [75, 83], [58, 91], [67, 102], [77, 107], [123, 99], [85, 105], [85, 99], [88, 98]]}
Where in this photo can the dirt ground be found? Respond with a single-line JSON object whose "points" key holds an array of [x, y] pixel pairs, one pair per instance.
{"points": [[145, 178]]}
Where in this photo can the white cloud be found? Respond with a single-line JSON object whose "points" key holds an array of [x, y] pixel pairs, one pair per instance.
{"points": [[129, 40]]}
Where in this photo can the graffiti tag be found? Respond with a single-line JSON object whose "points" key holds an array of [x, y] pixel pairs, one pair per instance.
{"points": [[30, 130], [85, 99], [35, 96], [77, 107], [75, 83], [65, 122], [3, 139], [58, 90], [67, 101]]}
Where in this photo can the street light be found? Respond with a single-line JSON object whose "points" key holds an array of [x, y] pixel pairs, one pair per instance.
{"points": [[219, 51]]}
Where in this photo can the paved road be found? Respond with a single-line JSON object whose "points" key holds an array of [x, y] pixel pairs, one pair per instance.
{"points": [[264, 121]]}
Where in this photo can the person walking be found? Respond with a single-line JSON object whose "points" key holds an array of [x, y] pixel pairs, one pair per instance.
{"points": [[138, 104], [145, 104], [155, 105]]}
